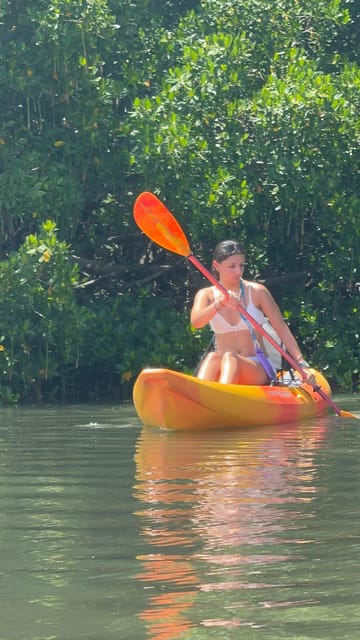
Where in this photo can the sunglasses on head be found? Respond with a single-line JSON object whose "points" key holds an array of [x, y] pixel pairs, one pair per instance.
{"points": [[232, 248]]}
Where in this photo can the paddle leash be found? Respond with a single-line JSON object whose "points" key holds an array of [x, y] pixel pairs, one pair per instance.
{"points": [[156, 221]]}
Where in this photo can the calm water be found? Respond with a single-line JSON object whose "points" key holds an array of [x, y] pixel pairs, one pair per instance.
{"points": [[109, 531]]}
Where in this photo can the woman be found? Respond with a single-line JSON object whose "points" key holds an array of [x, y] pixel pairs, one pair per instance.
{"points": [[235, 360]]}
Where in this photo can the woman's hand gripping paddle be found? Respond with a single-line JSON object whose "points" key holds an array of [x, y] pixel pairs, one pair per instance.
{"points": [[156, 221]]}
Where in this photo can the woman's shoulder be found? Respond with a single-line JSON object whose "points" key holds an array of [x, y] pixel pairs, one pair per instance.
{"points": [[206, 292], [254, 284], [259, 294], [256, 287], [262, 298]]}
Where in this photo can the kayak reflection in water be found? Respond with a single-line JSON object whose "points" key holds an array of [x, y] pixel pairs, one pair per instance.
{"points": [[239, 355]]}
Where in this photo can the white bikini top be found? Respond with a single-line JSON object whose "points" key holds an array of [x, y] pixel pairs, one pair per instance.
{"points": [[219, 325]]}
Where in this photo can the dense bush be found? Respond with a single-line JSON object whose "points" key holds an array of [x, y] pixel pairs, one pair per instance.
{"points": [[241, 115]]}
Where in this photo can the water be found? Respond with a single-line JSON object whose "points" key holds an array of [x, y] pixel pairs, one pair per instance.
{"points": [[110, 531]]}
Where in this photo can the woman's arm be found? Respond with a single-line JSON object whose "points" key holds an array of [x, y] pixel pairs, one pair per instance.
{"points": [[204, 308]]}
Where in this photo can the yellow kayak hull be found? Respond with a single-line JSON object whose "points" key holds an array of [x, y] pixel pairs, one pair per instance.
{"points": [[172, 400]]}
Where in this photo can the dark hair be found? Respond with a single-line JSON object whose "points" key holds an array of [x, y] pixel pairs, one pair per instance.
{"points": [[227, 248], [224, 250]]}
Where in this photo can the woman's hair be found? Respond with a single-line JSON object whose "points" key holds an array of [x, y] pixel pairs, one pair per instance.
{"points": [[224, 250], [227, 248]]}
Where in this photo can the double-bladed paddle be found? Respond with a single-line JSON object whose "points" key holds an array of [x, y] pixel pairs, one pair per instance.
{"points": [[156, 221]]}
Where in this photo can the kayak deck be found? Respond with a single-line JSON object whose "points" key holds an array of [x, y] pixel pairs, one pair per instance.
{"points": [[173, 400]]}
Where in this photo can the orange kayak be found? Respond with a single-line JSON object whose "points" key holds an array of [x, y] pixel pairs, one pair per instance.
{"points": [[171, 400]]}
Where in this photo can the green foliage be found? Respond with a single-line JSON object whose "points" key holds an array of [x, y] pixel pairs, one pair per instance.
{"points": [[53, 347], [272, 145], [242, 115], [127, 333], [41, 323]]}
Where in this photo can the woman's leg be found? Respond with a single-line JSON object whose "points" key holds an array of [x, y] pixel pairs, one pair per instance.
{"points": [[210, 367], [236, 369]]}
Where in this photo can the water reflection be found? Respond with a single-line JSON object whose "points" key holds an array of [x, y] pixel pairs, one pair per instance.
{"points": [[215, 511]]}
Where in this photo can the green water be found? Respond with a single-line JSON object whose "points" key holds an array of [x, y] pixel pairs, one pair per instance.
{"points": [[109, 531]]}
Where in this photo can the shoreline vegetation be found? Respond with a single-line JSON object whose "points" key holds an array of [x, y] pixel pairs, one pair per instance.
{"points": [[242, 118]]}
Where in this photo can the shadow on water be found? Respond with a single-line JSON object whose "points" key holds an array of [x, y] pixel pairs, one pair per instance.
{"points": [[225, 518]]}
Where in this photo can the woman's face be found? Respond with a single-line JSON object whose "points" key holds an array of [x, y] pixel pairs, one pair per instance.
{"points": [[231, 269]]}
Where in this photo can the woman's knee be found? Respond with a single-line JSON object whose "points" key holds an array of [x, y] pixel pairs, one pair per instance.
{"points": [[230, 357], [229, 367], [230, 354], [210, 367]]}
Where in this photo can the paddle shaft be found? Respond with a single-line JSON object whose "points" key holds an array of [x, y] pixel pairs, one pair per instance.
{"points": [[194, 260]]}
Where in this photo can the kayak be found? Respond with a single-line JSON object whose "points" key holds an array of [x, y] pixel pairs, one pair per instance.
{"points": [[172, 400]]}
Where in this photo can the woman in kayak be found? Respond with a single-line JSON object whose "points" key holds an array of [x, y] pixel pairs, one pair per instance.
{"points": [[235, 360]]}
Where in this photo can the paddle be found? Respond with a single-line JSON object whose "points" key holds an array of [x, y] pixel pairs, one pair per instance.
{"points": [[156, 221]]}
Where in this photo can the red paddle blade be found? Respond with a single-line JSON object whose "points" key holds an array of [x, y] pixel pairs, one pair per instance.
{"points": [[156, 221]]}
